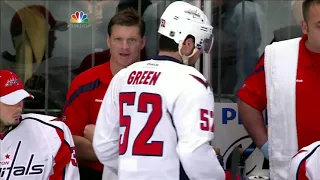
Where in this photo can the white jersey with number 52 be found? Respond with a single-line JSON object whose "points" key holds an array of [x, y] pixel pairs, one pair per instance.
{"points": [[157, 117]]}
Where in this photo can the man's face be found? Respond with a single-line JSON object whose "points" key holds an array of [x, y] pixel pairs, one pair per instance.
{"points": [[10, 114], [125, 44], [312, 27]]}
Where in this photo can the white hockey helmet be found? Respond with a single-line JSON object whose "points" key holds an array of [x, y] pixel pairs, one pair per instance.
{"points": [[181, 19]]}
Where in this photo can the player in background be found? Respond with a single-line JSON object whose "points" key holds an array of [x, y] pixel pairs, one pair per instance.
{"points": [[305, 165], [33, 147], [157, 115]]}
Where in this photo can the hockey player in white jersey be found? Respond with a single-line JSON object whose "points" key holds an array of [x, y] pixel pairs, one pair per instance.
{"points": [[157, 115], [33, 147], [305, 165]]}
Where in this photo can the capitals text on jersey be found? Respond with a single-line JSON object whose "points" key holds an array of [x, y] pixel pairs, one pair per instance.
{"points": [[22, 169]]}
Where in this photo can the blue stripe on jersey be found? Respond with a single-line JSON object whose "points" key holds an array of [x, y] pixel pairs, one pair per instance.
{"points": [[45, 123], [64, 173], [183, 174], [260, 69], [82, 89], [203, 82], [166, 58]]}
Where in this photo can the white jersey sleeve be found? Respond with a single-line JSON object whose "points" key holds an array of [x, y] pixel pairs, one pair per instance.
{"points": [[305, 165], [66, 156], [193, 119], [106, 134]]}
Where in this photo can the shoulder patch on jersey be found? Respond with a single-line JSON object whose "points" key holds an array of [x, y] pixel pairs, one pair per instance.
{"points": [[200, 80]]}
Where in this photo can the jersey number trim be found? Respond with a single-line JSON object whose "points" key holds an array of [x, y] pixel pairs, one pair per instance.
{"points": [[141, 147], [205, 122], [73, 157]]}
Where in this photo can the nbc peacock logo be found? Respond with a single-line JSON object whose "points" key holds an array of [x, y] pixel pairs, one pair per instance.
{"points": [[79, 17]]}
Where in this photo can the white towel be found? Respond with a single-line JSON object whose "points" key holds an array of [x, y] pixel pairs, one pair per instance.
{"points": [[281, 60]]}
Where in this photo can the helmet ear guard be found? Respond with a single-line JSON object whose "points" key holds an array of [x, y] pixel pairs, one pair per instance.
{"points": [[181, 19], [185, 59]]}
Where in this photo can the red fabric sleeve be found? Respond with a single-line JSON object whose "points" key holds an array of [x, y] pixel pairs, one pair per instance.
{"points": [[253, 91], [61, 160], [76, 108]]}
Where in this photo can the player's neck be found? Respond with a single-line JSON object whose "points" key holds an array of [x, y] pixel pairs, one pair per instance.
{"points": [[3, 128], [114, 66], [171, 54]]}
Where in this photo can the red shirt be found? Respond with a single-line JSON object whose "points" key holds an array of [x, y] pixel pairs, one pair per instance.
{"points": [[83, 102], [307, 88]]}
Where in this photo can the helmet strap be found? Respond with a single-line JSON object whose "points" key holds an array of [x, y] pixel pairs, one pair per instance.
{"points": [[185, 59]]}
